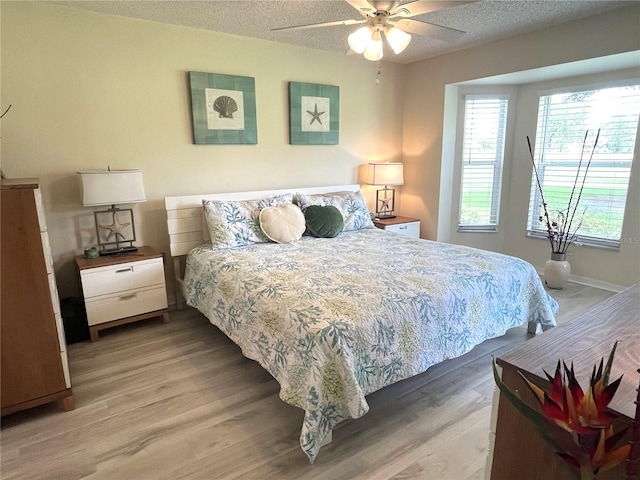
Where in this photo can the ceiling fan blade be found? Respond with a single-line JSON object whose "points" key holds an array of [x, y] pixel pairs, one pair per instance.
{"points": [[316, 25], [363, 6], [424, 6], [430, 30]]}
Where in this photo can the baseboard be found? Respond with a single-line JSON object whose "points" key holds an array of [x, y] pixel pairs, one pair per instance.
{"points": [[591, 282]]}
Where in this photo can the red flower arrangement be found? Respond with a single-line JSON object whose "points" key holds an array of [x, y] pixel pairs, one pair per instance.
{"points": [[574, 422]]}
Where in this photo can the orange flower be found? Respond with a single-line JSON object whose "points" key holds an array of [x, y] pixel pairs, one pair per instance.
{"points": [[573, 409], [575, 423], [601, 455]]}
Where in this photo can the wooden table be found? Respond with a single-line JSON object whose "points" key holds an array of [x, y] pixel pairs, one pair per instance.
{"points": [[519, 452]]}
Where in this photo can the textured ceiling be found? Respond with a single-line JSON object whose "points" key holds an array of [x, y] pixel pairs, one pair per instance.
{"points": [[484, 20]]}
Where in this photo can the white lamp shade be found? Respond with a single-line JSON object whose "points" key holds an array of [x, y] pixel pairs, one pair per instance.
{"points": [[373, 51], [385, 174], [359, 39], [397, 39], [111, 187]]}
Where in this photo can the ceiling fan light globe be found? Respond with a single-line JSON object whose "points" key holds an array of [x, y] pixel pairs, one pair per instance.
{"points": [[397, 39], [359, 39], [373, 51]]}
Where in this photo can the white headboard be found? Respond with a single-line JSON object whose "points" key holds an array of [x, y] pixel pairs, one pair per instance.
{"points": [[185, 214]]}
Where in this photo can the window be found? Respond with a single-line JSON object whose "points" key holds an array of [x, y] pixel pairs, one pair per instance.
{"points": [[485, 121], [563, 120]]}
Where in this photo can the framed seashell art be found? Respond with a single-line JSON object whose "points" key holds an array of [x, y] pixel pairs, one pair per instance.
{"points": [[223, 109], [314, 114]]}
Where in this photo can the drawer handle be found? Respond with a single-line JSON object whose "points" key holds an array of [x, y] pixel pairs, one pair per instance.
{"points": [[129, 297], [403, 228], [122, 270]]}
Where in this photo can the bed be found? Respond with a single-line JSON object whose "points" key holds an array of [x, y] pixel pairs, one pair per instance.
{"points": [[335, 319]]}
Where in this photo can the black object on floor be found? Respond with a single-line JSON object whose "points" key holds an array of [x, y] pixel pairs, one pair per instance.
{"points": [[74, 319]]}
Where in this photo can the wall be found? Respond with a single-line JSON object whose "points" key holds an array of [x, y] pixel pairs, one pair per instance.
{"points": [[90, 90], [426, 156]]}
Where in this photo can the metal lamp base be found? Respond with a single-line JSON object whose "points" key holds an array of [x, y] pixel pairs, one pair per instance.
{"points": [[117, 251], [385, 203], [123, 232]]}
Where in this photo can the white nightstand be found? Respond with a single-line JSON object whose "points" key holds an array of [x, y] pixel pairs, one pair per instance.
{"points": [[402, 225], [123, 288]]}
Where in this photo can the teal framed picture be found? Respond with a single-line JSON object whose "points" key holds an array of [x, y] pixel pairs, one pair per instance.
{"points": [[314, 114], [223, 109]]}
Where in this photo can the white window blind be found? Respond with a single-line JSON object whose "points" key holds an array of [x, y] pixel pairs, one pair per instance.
{"points": [[485, 121], [563, 120]]}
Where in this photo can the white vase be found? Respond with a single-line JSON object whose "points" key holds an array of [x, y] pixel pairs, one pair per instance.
{"points": [[557, 271]]}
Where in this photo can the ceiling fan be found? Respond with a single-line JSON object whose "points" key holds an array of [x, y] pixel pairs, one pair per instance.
{"points": [[393, 20]]}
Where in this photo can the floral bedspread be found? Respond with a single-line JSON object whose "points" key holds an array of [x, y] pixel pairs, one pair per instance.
{"points": [[336, 319]]}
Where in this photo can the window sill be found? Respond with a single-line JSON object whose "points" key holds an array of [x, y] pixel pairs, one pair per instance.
{"points": [[612, 247], [477, 229]]}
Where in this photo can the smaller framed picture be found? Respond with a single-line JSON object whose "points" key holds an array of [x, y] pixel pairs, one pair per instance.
{"points": [[223, 109], [314, 114]]}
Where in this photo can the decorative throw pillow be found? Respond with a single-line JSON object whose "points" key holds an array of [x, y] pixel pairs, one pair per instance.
{"points": [[237, 223], [323, 221], [282, 224], [350, 204]]}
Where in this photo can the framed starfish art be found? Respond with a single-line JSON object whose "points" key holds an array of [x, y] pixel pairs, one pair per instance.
{"points": [[314, 114], [115, 228]]}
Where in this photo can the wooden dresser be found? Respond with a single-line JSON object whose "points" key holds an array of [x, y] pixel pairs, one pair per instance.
{"points": [[517, 449], [34, 368]]}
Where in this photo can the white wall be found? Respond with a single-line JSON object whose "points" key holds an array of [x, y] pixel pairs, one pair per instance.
{"points": [[510, 238], [618, 267], [427, 156], [451, 169], [90, 90]]}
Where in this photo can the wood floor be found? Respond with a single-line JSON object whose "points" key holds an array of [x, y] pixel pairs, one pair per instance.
{"points": [[178, 400]]}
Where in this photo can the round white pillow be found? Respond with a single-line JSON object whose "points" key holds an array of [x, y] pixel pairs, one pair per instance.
{"points": [[283, 223]]}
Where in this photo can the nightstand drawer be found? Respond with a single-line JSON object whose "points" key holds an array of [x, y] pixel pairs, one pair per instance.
{"points": [[122, 277], [126, 304], [409, 229]]}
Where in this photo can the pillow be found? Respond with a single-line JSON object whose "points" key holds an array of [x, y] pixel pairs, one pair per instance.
{"points": [[351, 205], [323, 221], [237, 223], [282, 224]]}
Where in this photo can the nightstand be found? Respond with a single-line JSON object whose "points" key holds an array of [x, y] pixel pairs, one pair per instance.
{"points": [[409, 227], [123, 288]]}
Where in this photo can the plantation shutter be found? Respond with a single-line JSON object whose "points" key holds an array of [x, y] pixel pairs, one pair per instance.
{"points": [[563, 120], [485, 121]]}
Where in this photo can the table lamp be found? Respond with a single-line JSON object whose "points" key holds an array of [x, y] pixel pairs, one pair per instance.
{"points": [[115, 228], [385, 174]]}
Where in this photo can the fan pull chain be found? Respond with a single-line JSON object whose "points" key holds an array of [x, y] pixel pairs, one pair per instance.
{"points": [[379, 73]]}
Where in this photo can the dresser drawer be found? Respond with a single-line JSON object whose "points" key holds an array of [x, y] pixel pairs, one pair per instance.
{"points": [[409, 229], [126, 304], [122, 277]]}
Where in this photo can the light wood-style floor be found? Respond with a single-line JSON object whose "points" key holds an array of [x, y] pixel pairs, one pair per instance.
{"points": [[178, 400]]}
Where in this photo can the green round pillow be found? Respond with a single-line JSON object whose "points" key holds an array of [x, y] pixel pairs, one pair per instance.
{"points": [[323, 221]]}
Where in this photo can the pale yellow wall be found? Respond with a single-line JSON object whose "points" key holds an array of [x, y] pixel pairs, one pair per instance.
{"points": [[91, 90], [424, 151]]}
